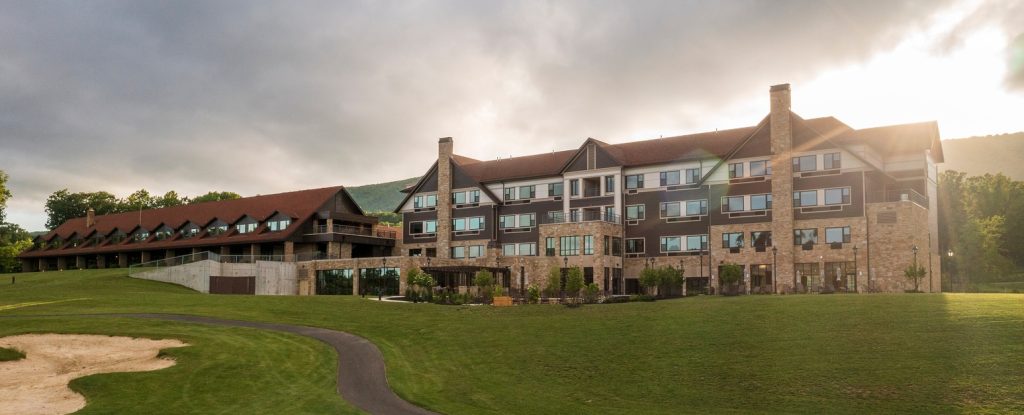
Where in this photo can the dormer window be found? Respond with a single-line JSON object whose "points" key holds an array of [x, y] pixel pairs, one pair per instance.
{"points": [[117, 237], [189, 230], [140, 235], [246, 225], [56, 242], [216, 228], [163, 233], [424, 201], [278, 223]]}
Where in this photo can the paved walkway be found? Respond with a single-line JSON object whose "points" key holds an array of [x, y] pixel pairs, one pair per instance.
{"points": [[362, 380]]}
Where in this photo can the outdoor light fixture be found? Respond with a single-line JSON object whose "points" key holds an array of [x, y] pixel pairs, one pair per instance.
{"points": [[565, 262], [949, 253], [775, 275], [855, 268]]}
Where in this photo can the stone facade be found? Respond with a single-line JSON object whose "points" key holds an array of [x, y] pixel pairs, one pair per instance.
{"points": [[891, 246], [782, 179]]}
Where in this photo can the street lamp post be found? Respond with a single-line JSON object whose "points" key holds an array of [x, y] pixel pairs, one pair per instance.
{"points": [[915, 266], [775, 267], [949, 253], [384, 269], [855, 268]]}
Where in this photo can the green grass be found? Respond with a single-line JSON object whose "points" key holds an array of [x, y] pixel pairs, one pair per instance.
{"points": [[789, 354], [7, 355], [998, 287]]}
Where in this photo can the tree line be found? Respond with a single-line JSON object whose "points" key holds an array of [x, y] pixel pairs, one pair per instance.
{"points": [[981, 227], [63, 204]]}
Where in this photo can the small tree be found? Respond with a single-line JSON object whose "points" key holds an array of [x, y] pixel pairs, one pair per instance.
{"points": [[420, 284], [915, 273], [730, 276], [590, 293], [573, 284], [533, 294], [649, 278], [484, 280], [668, 279], [554, 283]]}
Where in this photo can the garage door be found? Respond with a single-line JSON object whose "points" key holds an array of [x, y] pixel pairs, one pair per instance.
{"points": [[233, 285]]}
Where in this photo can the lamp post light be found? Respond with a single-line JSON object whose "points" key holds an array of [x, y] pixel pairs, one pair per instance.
{"points": [[915, 266], [855, 268], [775, 267], [949, 253], [380, 280]]}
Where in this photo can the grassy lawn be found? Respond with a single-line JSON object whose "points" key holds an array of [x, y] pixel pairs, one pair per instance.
{"points": [[999, 287], [7, 355], [791, 354]]}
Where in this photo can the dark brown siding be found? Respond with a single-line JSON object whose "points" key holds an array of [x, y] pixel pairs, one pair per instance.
{"points": [[580, 163], [541, 209], [653, 228], [430, 183], [720, 190], [489, 224], [592, 201], [851, 179], [409, 217]]}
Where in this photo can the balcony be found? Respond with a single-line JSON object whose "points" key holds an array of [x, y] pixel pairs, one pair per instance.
{"points": [[356, 230], [580, 217], [898, 195]]}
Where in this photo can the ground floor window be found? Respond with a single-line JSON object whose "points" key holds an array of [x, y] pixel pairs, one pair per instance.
{"points": [[760, 277], [632, 286], [334, 282], [839, 275], [808, 274], [384, 279]]}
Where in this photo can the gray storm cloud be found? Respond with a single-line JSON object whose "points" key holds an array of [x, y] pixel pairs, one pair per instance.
{"points": [[259, 97]]}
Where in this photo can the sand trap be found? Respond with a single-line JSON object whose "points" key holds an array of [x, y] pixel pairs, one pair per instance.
{"points": [[38, 384]]}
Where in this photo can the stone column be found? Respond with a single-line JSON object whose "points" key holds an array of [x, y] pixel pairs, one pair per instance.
{"points": [[62, 263], [101, 261], [145, 256], [445, 149], [79, 262], [122, 260], [355, 280], [289, 251], [782, 183], [254, 250], [42, 264], [344, 250], [334, 250]]}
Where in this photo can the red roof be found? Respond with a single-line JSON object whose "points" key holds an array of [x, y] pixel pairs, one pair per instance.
{"points": [[299, 206]]}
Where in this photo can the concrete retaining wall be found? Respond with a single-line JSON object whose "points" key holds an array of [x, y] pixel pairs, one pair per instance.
{"points": [[272, 278]]}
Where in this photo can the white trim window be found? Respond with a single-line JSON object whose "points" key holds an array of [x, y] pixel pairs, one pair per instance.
{"points": [[424, 227], [805, 163], [837, 235], [424, 201], [279, 224], [761, 202], [671, 244], [735, 170], [696, 207], [475, 223], [466, 197], [671, 210], [527, 249], [804, 198], [634, 181], [837, 196], [760, 168], [733, 203], [669, 178], [692, 176], [636, 212], [697, 242], [635, 245]]}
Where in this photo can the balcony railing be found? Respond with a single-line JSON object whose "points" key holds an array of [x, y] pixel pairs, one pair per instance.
{"points": [[898, 195], [356, 230], [580, 217]]}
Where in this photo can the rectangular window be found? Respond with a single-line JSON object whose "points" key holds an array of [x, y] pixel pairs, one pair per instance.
{"points": [[670, 210], [588, 245], [735, 170], [475, 223], [635, 212], [805, 236], [635, 181], [424, 201], [510, 193], [474, 196], [732, 240], [805, 198], [760, 168], [761, 238], [670, 178], [430, 226], [832, 161], [635, 246], [459, 224], [506, 221], [245, 227], [527, 192], [476, 251], [555, 189], [734, 204], [671, 244], [527, 220], [574, 187], [837, 235], [609, 184], [696, 207], [458, 252], [459, 198], [692, 176], [528, 249], [549, 246], [696, 242], [761, 202], [837, 196], [616, 246], [508, 249], [805, 163], [569, 245]]}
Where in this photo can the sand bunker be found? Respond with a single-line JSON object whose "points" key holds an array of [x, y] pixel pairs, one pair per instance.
{"points": [[38, 384]]}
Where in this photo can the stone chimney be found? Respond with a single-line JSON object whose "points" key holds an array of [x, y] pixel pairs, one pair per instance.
{"points": [[445, 149], [782, 183], [90, 218]]}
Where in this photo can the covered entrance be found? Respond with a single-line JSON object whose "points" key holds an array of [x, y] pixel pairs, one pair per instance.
{"points": [[451, 278]]}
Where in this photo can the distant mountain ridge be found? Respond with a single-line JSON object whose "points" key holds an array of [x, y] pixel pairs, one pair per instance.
{"points": [[381, 196], [1003, 153], [976, 156]]}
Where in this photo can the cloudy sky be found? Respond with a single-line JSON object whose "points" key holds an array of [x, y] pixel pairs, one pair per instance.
{"points": [[262, 97]]}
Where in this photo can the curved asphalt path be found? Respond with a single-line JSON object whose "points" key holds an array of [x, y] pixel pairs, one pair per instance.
{"points": [[362, 380]]}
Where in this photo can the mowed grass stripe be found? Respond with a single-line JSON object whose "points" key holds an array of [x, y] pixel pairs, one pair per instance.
{"points": [[782, 354]]}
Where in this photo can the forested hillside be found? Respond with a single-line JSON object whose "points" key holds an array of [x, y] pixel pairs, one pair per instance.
{"points": [[993, 154], [381, 196]]}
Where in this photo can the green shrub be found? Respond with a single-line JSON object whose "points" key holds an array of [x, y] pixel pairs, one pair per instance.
{"points": [[554, 283], [590, 293], [616, 299], [533, 294], [484, 280], [573, 284], [641, 298]]}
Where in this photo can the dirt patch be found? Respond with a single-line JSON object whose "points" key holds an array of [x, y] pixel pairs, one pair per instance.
{"points": [[38, 384]]}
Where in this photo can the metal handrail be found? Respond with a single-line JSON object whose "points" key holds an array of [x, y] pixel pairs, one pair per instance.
{"points": [[356, 230], [580, 217], [898, 195]]}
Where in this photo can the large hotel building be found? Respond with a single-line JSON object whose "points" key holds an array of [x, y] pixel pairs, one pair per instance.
{"points": [[800, 204]]}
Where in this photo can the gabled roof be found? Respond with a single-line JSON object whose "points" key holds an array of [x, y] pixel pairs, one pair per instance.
{"points": [[299, 205], [899, 139]]}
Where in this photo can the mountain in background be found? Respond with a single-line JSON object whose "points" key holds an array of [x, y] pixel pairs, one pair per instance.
{"points": [[381, 196], [1003, 153]]}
